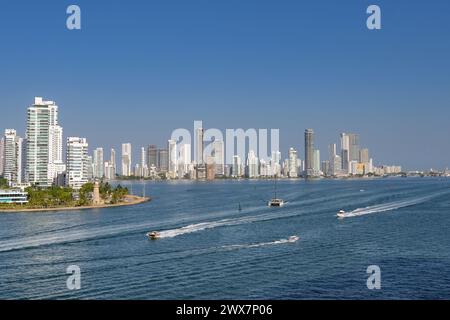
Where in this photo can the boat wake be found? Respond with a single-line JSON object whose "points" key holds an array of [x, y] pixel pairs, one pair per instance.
{"points": [[388, 206], [291, 239]]}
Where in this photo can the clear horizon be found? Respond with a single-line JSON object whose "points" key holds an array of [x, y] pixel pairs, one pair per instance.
{"points": [[135, 73]]}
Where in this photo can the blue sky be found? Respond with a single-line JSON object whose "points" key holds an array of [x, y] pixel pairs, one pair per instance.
{"points": [[139, 69]]}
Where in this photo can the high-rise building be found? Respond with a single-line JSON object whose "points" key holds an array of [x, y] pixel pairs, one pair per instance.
{"points": [[44, 142], [13, 157], [152, 156], [345, 152], [364, 155], [173, 158], [237, 167], [2, 155], [184, 160], [163, 160], [275, 166], [98, 165], [219, 157], [126, 159], [325, 167], [309, 152], [293, 163], [113, 164], [252, 165], [316, 162], [354, 146], [210, 168], [198, 146], [78, 162], [349, 150]]}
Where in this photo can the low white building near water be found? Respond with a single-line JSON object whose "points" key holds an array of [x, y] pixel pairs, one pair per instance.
{"points": [[13, 197]]}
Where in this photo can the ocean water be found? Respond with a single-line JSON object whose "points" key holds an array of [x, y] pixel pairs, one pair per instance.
{"points": [[211, 250]]}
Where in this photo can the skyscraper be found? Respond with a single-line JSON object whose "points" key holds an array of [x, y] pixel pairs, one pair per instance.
{"points": [[293, 163], [78, 162], [152, 156], [219, 157], [44, 142], [309, 152], [252, 165], [198, 145], [98, 165], [173, 158], [237, 167], [354, 147], [12, 157], [126, 159], [316, 164], [2, 155], [364, 155], [163, 160], [113, 163], [184, 160], [349, 150]]}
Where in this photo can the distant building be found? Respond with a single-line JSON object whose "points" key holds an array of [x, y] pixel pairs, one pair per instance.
{"points": [[316, 162], [44, 142], [2, 155], [184, 160], [219, 157], [198, 146], [252, 165], [293, 164], [364, 155], [163, 160], [98, 165], [325, 167], [210, 168], [126, 159], [77, 162], [13, 197], [309, 152], [237, 167], [13, 157], [173, 158], [152, 156]]}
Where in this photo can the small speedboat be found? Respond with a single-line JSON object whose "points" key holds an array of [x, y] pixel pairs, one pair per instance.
{"points": [[341, 214], [276, 203], [153, 235], [293, 238]]}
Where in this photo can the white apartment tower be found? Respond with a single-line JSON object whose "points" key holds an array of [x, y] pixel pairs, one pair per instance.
{"points": [[98, 165], [219, 157], [44, 143], [184, 160], [293, 163], [252, 165], [126, 159], [173, 161], [77, 162], [13, 157]]}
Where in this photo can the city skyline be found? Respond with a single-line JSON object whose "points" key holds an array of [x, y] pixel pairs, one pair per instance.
{"points": [[38, 159]]}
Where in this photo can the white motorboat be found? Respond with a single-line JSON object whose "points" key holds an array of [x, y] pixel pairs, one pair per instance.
{"points": [[153, 235], [341, 214]]}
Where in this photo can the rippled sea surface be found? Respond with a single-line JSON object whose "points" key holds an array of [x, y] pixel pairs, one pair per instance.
{"points": [[211, 250]]}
